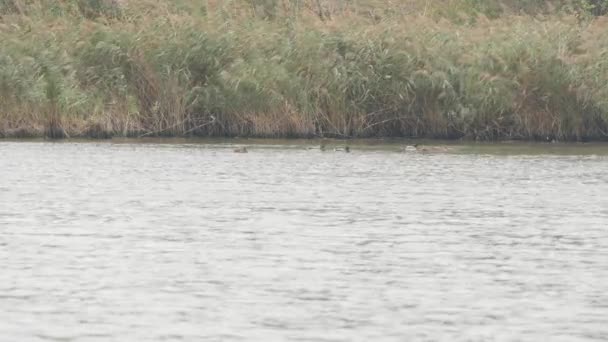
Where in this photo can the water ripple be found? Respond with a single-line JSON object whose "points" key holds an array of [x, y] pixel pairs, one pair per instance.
{"points": [[134, 242]]}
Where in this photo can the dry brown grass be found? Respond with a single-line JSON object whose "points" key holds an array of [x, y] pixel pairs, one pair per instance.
{"points": [[344, 69]]}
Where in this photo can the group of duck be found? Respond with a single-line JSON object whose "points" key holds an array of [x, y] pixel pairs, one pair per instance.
{"points": [[346, 149], [321, 147]]}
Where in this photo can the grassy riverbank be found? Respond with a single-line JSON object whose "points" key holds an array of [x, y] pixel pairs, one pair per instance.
{"points": [[368, 68]]}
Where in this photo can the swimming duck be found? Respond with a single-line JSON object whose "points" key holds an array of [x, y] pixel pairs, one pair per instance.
{"points": [[434, 149], [411, 148], [320, 147], [426, 149], [241, 150], [342, 149]]}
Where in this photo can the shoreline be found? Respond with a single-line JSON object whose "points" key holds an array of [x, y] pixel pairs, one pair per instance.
{"points": [[395, 145], [22, 135]]}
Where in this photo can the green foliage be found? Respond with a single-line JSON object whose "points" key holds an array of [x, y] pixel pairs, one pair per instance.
{"points": [[174, 71], [594, 7], [10, 6], [97, 8]]}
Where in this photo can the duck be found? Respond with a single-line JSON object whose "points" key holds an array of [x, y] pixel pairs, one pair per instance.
{"points": [[342, 149], [426, 149], [410, 148], [434, 149], [320, 147], [241, 150]]}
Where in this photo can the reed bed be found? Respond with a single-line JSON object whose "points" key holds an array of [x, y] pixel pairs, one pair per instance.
{"points": [[264, 68]]}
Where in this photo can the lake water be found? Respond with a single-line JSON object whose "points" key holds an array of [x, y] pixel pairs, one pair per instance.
{"points": [[105, 241]]}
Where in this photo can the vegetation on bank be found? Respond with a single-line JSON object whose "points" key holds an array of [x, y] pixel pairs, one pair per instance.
{"points": [[491, 69]]}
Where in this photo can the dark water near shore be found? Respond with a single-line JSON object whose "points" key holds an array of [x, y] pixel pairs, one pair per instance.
{"points": [[122, 241]]}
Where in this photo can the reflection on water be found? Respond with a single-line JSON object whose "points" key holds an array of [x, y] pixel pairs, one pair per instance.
{"points": [[128, 242]]}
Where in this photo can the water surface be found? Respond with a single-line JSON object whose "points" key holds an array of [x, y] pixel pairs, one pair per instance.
{"points": [[192, 242]]}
